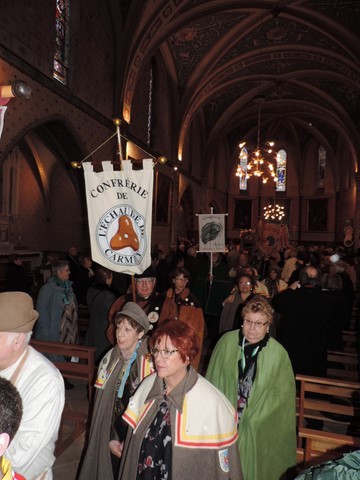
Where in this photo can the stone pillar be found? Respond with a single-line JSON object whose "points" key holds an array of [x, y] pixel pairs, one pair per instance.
{"points": [[357, 212], [174, 208]]}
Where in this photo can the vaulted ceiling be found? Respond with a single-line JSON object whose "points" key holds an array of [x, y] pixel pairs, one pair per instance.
{"points": [[301, 56]]}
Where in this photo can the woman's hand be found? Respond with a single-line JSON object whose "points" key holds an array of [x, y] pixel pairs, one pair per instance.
{"points": [[116, 447]]}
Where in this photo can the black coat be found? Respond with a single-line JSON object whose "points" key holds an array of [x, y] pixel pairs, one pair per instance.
{"points": [[306, 318]]}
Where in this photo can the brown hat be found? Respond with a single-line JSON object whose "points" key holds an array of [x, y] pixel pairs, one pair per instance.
{"points": [[17, 312], [135, 312]]}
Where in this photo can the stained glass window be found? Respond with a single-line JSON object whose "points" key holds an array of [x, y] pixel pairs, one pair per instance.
{"points": [[243, 161], [281, 171], [61, 55], [321, 166]]}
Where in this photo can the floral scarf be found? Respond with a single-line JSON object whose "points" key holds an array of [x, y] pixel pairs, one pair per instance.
{"points": [[155, 459], [247, 369], [68, 293]]}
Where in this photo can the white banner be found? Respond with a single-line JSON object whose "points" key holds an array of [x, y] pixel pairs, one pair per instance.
{"points": [[212, 232], [119, 207], [2, 115]]}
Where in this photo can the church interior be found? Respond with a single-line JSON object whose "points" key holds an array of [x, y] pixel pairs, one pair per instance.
{"points": [[190, 81], [204, 88]]}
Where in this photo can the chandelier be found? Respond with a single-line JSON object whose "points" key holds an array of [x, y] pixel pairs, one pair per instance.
{"points": [[260, 161], [274, 212]]}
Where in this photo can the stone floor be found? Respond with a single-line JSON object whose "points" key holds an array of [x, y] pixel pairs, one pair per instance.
{"points": [[66, 464]]}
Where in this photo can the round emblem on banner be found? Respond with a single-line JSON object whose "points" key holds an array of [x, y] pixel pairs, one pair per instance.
{"points": [[121, 235]]}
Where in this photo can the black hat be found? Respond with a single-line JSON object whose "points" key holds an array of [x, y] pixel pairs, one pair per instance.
{"points": [[148, 273]]}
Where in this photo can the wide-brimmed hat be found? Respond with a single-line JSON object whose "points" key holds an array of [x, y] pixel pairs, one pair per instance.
{"points": [[17, 312], [150, 272], [137, 314]]}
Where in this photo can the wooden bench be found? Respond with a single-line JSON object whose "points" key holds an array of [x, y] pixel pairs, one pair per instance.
{"points": [[343, 365], [83, 321], [335, 406], [349, 338], [84, 369]]}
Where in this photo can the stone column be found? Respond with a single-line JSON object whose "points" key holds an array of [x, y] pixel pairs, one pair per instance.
{"points": [[357, 212], [174, 207]]}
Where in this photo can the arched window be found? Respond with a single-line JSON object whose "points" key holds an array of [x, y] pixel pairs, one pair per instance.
{"points": [[321, 167], [242, 168], [61, 55], [281, 170]]}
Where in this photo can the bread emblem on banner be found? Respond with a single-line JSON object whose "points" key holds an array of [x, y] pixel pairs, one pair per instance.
{"points": [[125, 235], [121, 235]]}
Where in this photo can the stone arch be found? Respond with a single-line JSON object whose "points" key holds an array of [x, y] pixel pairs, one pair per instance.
{"points": [[44, 204]]}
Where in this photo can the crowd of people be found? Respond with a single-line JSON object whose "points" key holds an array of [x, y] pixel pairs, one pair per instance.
{"points": [[263, 319]]}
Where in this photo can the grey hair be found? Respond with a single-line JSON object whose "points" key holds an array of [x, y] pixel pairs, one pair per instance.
{"points": [[59, 266], [28, 336]]}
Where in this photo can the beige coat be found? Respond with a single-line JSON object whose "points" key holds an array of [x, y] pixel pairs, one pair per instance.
{"points": [[209, 463]]}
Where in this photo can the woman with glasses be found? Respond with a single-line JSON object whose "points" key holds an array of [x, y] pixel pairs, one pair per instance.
{"points": [[120, 372], [186, 304], [57, 307], [254, 371], [181, 426], [241, 294]]}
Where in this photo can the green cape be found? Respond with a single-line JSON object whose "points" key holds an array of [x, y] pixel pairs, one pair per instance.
{"points": [[267, 430]]}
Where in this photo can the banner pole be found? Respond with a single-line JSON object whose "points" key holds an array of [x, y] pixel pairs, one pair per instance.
{"points": [[117, 122], [133, 289]]}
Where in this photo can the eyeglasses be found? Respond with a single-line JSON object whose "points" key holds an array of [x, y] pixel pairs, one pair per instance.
{"points": [[257, 325], [245, 283], [165, 353], [148, 281]]}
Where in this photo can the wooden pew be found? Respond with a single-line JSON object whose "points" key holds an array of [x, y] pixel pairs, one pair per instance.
{"points": [[343, 365], [83, 321], [349, 338], [335, 404], [84, 369]]}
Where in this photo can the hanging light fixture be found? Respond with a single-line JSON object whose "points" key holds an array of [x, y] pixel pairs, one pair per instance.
{"points": [[274, 212], [259, 161]]}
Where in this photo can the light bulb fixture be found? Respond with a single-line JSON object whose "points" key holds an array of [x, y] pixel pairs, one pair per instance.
{"points": [[260, 161], [18, 89], [274, 212]]}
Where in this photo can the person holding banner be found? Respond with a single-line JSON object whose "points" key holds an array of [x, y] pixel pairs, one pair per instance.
{"points": [[211, 290], [120, 372], [147, 299]]}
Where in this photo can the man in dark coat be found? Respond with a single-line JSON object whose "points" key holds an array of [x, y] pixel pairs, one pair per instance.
{"points": [[146, 297], [306, 314], [16, 278]]}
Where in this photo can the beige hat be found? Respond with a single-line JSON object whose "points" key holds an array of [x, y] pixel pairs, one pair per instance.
{"points": [[17, 312]]}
